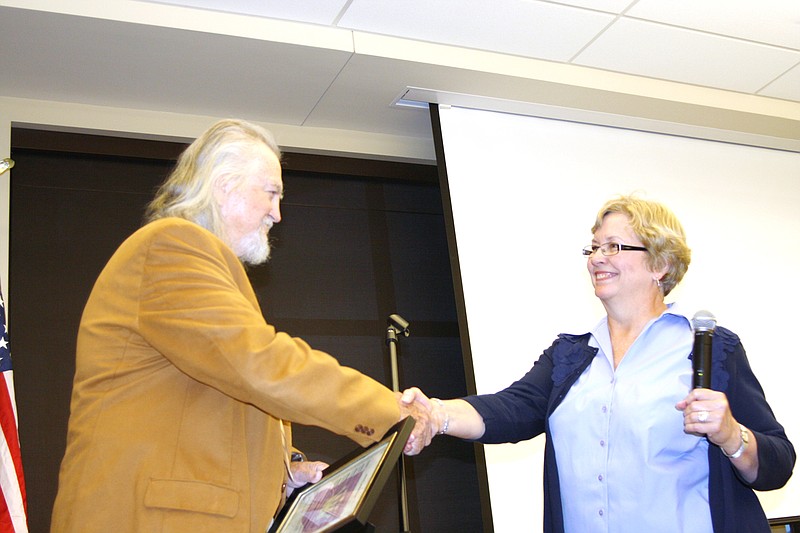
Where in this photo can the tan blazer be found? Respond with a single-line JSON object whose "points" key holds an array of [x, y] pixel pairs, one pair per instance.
{"points": [[180, 389]]}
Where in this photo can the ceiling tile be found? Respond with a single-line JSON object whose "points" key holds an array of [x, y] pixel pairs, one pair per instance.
{"points": [[116, 64], [527, 28], [786, 87], [608, 6], [767, 21], [361, 97], [313, 11], [661, 51]]}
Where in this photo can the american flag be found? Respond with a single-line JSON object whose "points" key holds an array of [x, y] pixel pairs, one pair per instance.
{"points": [[13, 508]]}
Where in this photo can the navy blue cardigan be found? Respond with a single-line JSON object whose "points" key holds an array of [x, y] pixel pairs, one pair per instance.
{"points": [[522, 411]]}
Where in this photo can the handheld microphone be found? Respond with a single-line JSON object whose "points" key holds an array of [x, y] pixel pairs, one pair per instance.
{"points": [[703, 324]]}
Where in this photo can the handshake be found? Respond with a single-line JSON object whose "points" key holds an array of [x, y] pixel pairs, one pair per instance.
{"points": [[436, 417]]}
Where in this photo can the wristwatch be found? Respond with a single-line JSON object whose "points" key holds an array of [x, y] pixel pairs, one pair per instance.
{"points": [[298, 457], [742, 446]]}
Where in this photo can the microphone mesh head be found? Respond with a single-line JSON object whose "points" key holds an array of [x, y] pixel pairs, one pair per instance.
{"points": [[704, 321]]}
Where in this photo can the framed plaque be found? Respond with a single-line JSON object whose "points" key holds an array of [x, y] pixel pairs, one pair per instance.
{"points": [[343, 499]]}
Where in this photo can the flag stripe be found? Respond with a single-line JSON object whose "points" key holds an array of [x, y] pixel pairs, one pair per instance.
{"points": [[6, 524], [13, 503], [12, 514], [10, 456]]}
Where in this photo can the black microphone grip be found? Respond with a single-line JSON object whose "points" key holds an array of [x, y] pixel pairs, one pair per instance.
{"points": [[701, 359]]}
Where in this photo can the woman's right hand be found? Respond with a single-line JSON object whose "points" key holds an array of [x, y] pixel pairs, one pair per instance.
{"points": [[456, 418]]}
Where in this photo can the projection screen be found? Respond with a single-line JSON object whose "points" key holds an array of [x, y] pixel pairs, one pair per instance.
{"points": [[524, 194]]}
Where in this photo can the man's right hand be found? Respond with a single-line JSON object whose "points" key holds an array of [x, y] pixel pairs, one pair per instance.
{"points": [[425, 427]]}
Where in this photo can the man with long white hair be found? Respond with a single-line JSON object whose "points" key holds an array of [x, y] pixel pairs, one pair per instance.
{"points": [[183, 394]]}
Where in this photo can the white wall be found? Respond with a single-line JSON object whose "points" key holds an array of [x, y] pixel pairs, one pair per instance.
{"points": [[525, 280]]}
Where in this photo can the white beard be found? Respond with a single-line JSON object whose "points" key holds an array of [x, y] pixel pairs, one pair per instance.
{"points": [[254, 248]]}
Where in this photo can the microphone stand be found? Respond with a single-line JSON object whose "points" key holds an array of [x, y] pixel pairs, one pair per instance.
{"points": [[396, 325]]}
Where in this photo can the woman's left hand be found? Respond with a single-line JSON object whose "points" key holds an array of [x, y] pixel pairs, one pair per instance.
{"points": [[706, 412]]}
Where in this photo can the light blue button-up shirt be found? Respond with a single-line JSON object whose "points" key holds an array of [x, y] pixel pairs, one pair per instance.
{"points": [[624, 462]]}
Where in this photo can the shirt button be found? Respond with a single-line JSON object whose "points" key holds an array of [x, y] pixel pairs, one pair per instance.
{"points": [[600, 512], [602, 443], [600, 477], [605, 409]]}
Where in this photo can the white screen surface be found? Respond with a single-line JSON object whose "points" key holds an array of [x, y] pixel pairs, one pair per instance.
{"points": [[524, 194]]}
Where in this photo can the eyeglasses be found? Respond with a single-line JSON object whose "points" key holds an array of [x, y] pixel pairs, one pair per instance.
{"points": [[611, 248]]}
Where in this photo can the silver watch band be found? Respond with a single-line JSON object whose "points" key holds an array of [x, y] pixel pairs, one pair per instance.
{"points": [[742, 445]]}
